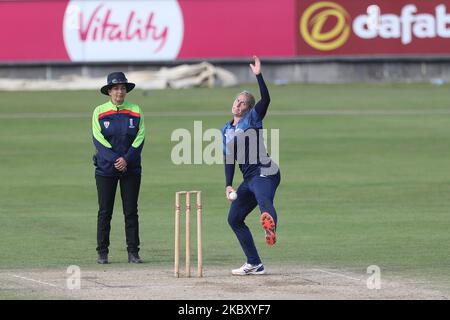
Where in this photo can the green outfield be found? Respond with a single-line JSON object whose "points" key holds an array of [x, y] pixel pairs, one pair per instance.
{"points": [[365, 178]]}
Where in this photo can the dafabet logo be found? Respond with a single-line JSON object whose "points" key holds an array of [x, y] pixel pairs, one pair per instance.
{"points": [[327, 25], [315, 29]]}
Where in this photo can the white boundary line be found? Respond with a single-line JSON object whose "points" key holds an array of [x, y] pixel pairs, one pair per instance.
{"points": [[337, 274], [33, 280]]}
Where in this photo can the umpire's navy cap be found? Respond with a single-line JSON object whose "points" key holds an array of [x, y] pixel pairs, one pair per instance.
{"points": [[116, 78]]}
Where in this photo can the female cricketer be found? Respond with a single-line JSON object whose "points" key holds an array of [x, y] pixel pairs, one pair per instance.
{"points": [[243, 143]]}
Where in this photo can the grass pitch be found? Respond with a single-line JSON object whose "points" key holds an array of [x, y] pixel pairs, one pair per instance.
{"points": [[365, 178]]}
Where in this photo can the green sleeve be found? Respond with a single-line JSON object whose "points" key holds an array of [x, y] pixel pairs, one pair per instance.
{"points": [[102, 145], [141, 133], [97, 131]]}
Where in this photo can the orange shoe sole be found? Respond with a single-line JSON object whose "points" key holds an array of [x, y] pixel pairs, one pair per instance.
{"points": [[268, 224]]}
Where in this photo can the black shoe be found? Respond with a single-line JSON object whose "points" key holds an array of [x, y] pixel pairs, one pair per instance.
{"points": [[102, 258], [134, 258]]}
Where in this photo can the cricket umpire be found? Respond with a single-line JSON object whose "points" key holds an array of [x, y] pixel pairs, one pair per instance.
{"points": [[118, 135]]}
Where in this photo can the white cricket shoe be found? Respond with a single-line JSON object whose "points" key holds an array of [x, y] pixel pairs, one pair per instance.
{"points": [[248, 269]]}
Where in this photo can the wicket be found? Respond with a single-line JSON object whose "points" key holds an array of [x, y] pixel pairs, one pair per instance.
{"points": [[188, 237]]}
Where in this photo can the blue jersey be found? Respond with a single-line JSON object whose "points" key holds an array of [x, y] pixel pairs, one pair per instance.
{"points": [[118, 131], [244, 142]]}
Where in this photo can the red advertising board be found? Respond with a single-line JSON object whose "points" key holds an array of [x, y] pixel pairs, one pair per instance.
{"points": [[377, 27], [129, 30], [32, 31], [239, 28], [155, 30]]}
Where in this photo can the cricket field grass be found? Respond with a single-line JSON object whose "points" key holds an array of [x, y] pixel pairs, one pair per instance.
{"points": [[365, 181]]}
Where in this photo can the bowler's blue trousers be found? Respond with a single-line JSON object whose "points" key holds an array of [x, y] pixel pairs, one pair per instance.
{"points": [[258, 190]]}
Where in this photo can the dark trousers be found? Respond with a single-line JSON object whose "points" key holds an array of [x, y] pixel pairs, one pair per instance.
{"points": [[258, 191], [129, 191]]}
